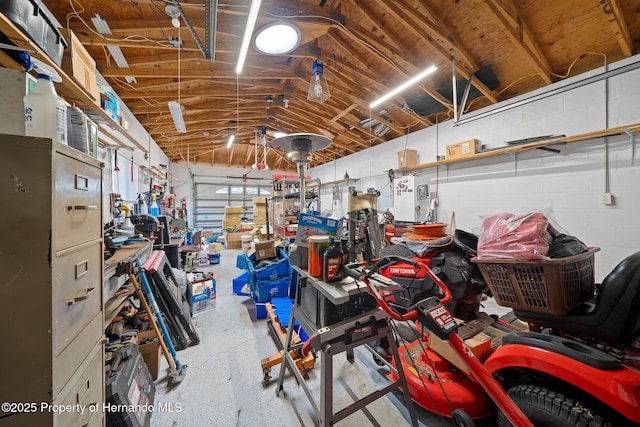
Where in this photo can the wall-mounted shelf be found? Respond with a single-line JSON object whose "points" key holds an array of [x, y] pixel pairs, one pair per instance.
{"points": [[531, 146], [68, 88], [339, 181]]}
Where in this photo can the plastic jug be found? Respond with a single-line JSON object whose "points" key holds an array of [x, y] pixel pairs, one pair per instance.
{"points": [[45, 114], [154, 209]]}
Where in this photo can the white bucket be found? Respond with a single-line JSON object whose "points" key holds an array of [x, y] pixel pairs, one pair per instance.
{"points": [[246, 242]]}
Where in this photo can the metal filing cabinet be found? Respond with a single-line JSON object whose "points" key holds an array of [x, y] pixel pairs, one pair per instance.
{"points": [[51, 262]]}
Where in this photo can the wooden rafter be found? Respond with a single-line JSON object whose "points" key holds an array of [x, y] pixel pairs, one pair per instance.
{"points": [[619, 26], [367, 47], [426, 30], [516, 30]]}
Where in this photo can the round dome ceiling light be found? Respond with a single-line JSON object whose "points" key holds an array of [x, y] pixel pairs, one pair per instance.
{"points": [[277, 38]]}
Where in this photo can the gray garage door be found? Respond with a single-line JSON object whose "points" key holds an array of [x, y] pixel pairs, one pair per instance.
{"points": [[211, 199]]}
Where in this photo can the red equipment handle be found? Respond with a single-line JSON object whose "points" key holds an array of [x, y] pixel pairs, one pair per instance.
{"points": [[478, 371], [387, 261]]}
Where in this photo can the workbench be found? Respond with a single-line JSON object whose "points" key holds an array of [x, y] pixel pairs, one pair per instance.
{"points": [[339, 317]]}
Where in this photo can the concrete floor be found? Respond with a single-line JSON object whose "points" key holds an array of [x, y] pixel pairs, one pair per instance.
{"points": [[224, 381]]}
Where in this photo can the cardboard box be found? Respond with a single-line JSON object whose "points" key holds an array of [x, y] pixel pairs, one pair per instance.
{"points": [[260, 233], [265, 250], [79, 65], [247, 226], [259, 200], [311, 225], [149, 347], [407, 158], [461, 149], [234, 240], [232, 219], [479, 344], [202, 295], [230, 210]]}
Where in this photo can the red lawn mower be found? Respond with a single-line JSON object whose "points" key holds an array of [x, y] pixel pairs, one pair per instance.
{"points": [[576, 369]]}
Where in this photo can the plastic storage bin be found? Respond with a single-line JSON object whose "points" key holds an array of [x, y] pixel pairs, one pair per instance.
{"points": [[274, 270], [37, 22], [264, 290], [238, 284]]}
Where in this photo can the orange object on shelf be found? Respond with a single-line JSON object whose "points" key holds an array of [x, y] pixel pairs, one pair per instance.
{"points": [[427, 231], [317, 247]]}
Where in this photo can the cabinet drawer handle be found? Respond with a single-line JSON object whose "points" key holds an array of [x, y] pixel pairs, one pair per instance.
{"points": [[82, 183], [82, 208], [84, 390], [91, 413], [81, 297], [82, 268]]}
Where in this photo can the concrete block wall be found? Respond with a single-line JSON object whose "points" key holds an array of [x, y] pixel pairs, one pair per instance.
{"points": [[571, 183]]}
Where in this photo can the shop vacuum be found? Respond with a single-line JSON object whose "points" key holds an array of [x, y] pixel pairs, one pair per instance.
{"points": [[129, 390]]}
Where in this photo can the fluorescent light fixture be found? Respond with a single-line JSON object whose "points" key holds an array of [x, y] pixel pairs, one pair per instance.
{"points": [[277, 38], [279, 134], [251, 22], [403, 86], [176, 114], [290, 154], [232, 138], [103, 28]]}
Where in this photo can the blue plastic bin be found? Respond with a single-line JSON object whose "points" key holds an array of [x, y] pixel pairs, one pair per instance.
{"points": [[242, 261], [261, 309], [274, 270], [264, 290], [238, 284], [283, 311]]}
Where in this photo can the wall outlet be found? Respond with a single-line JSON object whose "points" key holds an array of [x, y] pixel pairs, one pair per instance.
{"points": [[606, 199]]}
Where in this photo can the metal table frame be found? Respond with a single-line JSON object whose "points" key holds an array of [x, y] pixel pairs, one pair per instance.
{"points": [[337, 338]]}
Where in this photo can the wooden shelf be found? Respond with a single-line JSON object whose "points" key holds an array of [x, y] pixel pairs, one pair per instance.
{"points": [[68, 88], [526, 147], [339, 181]]}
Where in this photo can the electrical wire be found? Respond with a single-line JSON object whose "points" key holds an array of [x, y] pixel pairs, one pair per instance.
{"points": [[133, 38], [179, 49], [568, 73], [516, 81], [153, 10], [125, 85], [345, 28], [74, 13]]}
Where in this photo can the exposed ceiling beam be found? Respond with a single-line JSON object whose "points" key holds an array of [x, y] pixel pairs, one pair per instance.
{"points": [[613, 10], [516, 30], [343, 112], [425, 29]]}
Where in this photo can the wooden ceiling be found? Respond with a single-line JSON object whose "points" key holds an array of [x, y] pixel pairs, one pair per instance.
{"points": [[368, 47]]}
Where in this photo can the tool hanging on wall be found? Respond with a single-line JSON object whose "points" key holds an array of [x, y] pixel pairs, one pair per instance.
{"points": [[115, 163]]}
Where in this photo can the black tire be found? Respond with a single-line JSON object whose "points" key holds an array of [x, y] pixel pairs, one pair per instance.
{"points": [[380, 355], [548, 408]]}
